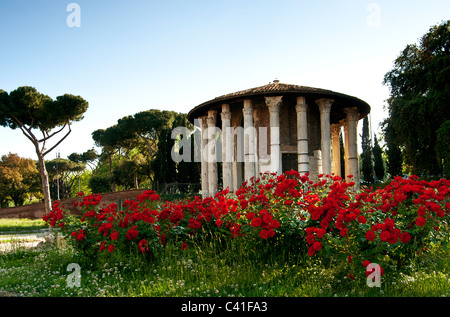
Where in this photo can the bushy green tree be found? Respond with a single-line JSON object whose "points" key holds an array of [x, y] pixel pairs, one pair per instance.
{"points": [[63, 174], [163, 166], [394, 154], [32, 112], [19, 179], [419, 100]]}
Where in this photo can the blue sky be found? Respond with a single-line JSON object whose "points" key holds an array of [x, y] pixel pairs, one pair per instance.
{"points": [[131, 56]]}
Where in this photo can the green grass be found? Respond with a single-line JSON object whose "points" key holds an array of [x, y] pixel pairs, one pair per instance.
{"points": [[200, 272], [12, 224], [207, 269]]}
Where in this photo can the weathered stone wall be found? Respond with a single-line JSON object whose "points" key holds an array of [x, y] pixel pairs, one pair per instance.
{"points": [[36, 211]]}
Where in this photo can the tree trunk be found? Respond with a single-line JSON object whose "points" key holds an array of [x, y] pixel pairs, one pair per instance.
{"points": [[113, 185], [135, 178], [44, 180]]}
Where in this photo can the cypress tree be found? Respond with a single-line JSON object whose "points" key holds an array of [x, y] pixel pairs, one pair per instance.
{"points": [[366, 156], [378, 160]]}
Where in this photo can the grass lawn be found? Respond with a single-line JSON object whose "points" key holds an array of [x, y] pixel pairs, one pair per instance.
{"points": [[12, 224], [205, 270]]}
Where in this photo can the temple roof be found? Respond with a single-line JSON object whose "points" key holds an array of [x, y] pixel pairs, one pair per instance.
{"points": [[277, 88]]}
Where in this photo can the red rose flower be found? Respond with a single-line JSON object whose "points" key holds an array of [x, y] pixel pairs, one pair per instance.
{"points": [[311, 251], [405, 237], [370, 235], [420, 221], [263, 234], [317, 246], [384, 235], [267, 218], [320, 233], [142, 245], [114, 236], [274, 223], [256, 222]]}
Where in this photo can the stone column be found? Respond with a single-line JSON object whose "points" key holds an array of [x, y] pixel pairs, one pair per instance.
{"points": [[204, 156], [212, 155], [346, 166], [325, 108], [335, 131], [302, 135], [352, 122], [274, 104], [249, 140], [227, 148]]}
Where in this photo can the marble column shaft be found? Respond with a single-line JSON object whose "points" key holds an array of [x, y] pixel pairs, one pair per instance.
{"points": [[204, 161], [325, 109], [249, 140], [227, 148], [302, 135], [212, 158], [335, 131], [274, 104], [352, 121]]}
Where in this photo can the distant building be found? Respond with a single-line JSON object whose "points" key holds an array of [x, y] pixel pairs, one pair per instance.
{"points": [[275, 128]]}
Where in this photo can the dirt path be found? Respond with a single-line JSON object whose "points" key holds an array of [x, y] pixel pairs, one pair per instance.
{"points": [[16, 240]]}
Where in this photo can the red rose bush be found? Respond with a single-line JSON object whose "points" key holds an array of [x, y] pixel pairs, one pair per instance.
{"points": [[327, 220]]}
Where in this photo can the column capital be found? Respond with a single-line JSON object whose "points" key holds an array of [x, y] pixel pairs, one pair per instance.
{"points": [[301, 105], [225, 115], [273, 103], [335, 128], [248, 108], [212, 117], [204, 121], [351, 113], [212, 114], [324, 104]]}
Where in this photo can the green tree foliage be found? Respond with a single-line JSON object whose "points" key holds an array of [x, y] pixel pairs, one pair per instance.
{"points": [[378, 160], [63, 174], [189, 172], [443, 146], [366, 155], [104, 141], [141, 145], [33, 112], [127, 172], [100, 183], [89, 158], [163, 166], [393, 151], [19, 179], [420, 99]]}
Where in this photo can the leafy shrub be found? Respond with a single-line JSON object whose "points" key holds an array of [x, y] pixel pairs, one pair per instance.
{"points": [[327, 220]]}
